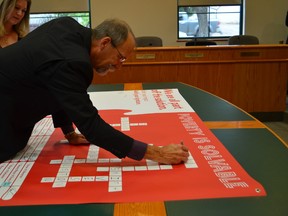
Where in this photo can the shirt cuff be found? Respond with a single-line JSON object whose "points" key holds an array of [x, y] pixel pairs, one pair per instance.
{"points": [[138, 150]]}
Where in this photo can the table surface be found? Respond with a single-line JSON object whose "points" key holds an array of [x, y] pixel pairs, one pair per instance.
{"points": [[260, 152]]}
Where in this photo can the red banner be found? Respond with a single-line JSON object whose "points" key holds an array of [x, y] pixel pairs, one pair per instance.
{"points": [[50, 171]]}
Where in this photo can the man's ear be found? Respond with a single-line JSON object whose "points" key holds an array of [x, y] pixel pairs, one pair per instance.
{"points": [[104, 42]]}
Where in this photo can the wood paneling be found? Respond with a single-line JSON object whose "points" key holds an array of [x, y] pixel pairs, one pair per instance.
{"points": [[140, 208], [252, 77]]}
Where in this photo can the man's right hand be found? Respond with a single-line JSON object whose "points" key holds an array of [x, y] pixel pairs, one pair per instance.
{"points": [[170, 154]]}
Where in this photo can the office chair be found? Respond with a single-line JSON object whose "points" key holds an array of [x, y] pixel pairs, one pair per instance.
{"points": [[243, 40], [200, 42], [149, 41]]}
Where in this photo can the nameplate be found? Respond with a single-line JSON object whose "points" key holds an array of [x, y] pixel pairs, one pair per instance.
{"points": [[249, 54], [194, 55], [145, 56]]}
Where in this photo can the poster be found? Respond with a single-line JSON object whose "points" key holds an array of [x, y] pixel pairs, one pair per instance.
{"points": [[50, 171]]}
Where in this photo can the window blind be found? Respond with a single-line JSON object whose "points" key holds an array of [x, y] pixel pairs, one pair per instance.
{"points": [[208, 2], [52, 6]]}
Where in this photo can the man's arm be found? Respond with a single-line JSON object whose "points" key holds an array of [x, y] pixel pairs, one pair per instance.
{"points": [[60, 119]]}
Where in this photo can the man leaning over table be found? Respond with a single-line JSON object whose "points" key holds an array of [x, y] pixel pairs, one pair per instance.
{"points": [[49, 71]]}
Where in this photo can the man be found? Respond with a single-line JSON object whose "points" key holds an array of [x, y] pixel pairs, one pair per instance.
{"points": [[49, 71]]}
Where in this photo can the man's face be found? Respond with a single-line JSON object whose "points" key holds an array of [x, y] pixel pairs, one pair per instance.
{"points": [[106, 57]]}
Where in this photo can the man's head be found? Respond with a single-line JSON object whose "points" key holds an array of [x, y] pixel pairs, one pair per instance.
{"points": [[112, 42]]}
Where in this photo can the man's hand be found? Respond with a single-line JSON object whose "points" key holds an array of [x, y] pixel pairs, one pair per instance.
{"points": [[170, 154], [76, 139]]}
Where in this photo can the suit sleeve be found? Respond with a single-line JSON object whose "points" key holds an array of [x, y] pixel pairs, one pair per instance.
{"points": [[62, 120]]}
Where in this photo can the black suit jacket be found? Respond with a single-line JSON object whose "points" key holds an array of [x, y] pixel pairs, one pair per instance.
{"points": [[48, 72]]}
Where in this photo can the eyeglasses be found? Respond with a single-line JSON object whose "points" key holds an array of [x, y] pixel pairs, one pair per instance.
{"points": [[121, 57]]}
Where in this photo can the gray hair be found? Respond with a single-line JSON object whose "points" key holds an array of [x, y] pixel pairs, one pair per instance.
{"points": [[116, 29]]}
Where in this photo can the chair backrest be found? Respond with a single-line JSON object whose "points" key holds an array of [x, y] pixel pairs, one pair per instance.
{"points": [[149, 41], [200, 42], [243, 40]]}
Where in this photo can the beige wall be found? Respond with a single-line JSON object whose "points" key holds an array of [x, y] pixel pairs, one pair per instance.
{"points": [[39, 6], [265, 19], [146, 17]]}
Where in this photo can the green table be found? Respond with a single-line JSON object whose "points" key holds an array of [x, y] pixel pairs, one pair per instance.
{"points": [[258, 150]]}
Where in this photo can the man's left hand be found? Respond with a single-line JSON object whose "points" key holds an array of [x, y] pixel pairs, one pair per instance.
{"points": [[76, 139]]}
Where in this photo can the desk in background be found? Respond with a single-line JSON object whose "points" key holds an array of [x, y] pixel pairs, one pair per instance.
{"points": [[253, 77], [252, 144]]}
